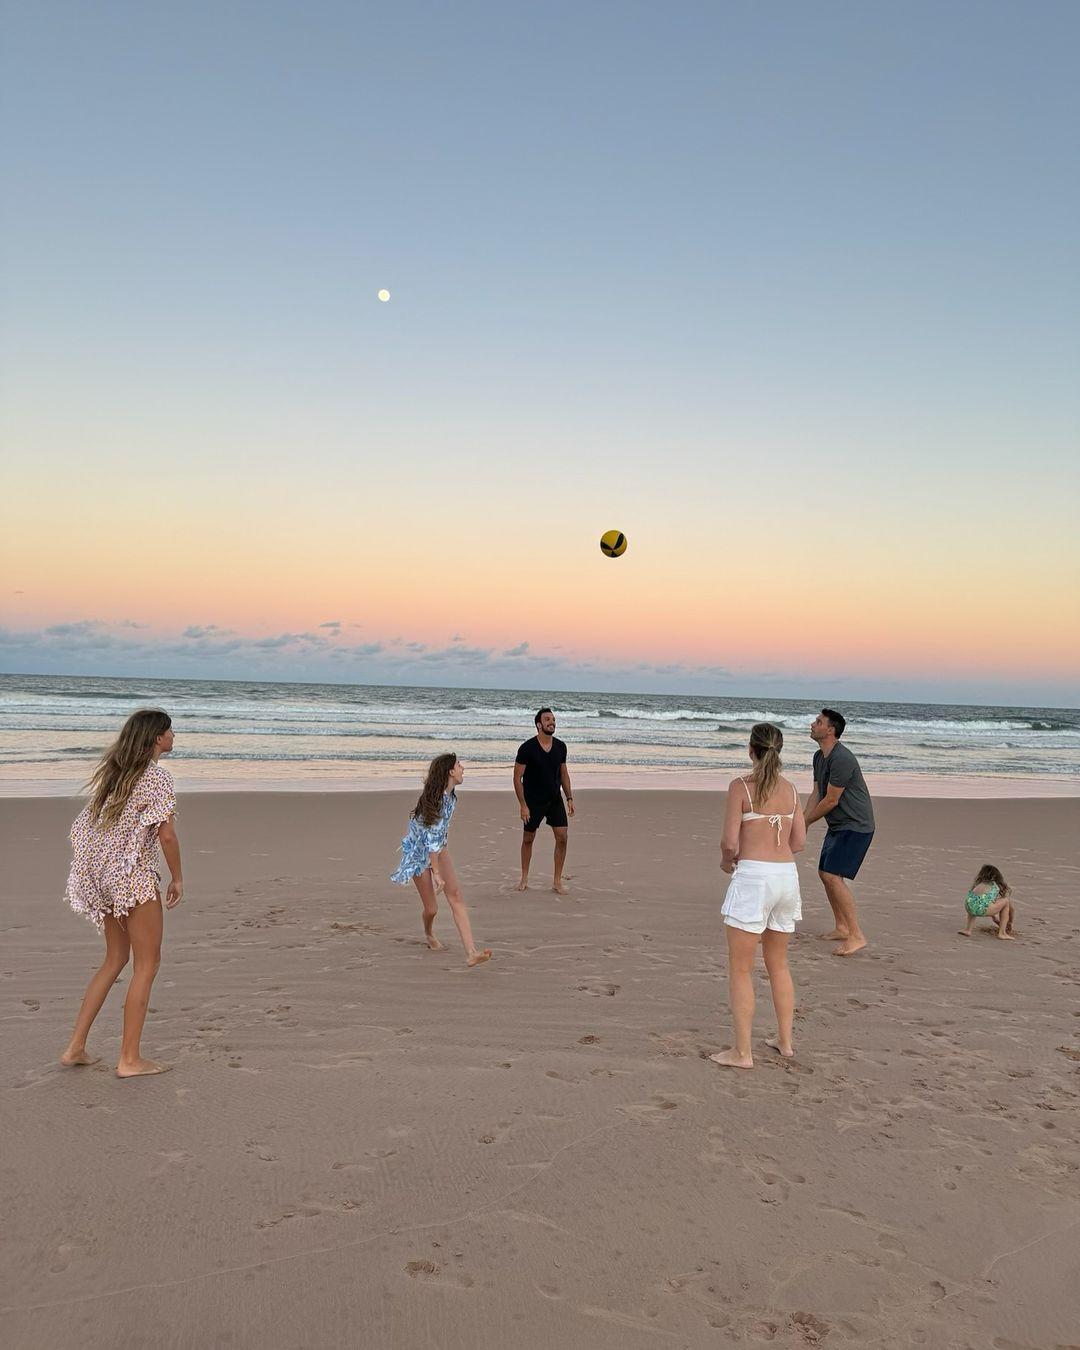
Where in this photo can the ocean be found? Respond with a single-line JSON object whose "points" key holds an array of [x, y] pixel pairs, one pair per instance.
{"points": [[245, 736]]}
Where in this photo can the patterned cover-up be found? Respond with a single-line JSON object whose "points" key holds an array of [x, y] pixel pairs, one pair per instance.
{"points": [[423, 840], [113, 870]]}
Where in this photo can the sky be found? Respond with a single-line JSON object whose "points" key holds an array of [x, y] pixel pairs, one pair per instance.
{"points": [[787, 293]]}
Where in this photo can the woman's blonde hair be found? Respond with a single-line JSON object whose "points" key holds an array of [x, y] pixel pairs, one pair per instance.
{"points": [[123, 764], [766, 742], [428, 807]]}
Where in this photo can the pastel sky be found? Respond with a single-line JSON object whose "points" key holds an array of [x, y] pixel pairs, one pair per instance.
{"points": [[786, 292]]}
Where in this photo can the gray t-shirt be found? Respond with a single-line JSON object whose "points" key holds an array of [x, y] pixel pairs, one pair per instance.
{"points": [[854, 811]]}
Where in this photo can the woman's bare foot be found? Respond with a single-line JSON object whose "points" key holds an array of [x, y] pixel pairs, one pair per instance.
{"points": [[139, 1068], [834, 936], [850, 947], [773, 1042], [479, 957], [71, 1059], [731, 1059], [523, 884], [559, 888], [433, 943]]}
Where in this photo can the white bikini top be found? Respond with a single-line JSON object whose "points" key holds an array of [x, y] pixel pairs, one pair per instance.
{"points": [[777, 820]]}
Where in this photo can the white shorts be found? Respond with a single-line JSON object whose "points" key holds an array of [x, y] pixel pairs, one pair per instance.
{"points": [[763, 895]]}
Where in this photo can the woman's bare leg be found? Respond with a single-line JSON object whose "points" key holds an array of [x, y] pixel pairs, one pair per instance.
{"points": [[117, 949], [456, 901], [144, 928], [742, 948], [425, 884], [775, 949]]}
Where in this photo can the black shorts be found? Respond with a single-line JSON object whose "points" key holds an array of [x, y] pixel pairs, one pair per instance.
{"points": [[843, 852], [554, 812]]}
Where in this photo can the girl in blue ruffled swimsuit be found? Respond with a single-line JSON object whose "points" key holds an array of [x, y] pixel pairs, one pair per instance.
{"points": [[990, 898], [425, 859]]}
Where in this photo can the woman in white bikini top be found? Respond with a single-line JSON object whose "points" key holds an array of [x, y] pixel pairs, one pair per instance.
{"points": [[776, 820]]}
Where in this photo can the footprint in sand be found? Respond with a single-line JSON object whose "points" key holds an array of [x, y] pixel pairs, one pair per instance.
{"points": [[599, 990]]}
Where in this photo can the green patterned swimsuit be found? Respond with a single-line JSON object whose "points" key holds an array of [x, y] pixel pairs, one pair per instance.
{"points": [[977, 905]]}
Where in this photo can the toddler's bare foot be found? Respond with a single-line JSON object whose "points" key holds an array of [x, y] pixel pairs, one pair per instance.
{"points": [[559, 888], [434, 944], [479, 957], [850, 947], [70, 1059], [773, 1042], [835, 936], [731, 1059], [138, 1068], [523, 884]]}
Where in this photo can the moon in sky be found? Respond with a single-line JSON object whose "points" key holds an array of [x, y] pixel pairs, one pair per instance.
{"points": [[384, 296]]}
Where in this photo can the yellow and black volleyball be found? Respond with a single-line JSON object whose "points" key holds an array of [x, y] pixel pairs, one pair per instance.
{"points": [[613, 544]]}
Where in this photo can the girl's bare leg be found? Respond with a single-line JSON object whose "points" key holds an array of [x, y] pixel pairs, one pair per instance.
{"points": [[775, 949], [968, 923], [741, 950], [117, 949], [425, 884], [473, 955], [1001, 913], [144, 932]]}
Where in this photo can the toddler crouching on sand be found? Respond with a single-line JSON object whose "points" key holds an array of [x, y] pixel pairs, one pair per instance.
{"points": [[991, 898]]}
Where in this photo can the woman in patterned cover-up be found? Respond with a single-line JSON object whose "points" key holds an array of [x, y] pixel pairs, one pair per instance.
{"points": [[114, 880], [425, 860]]}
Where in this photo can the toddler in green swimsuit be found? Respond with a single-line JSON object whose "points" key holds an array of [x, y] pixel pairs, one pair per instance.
{"points": [[991, 898]]}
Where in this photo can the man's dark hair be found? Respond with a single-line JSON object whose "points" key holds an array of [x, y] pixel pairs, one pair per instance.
{"points": [[838, 720], [536, 719]]}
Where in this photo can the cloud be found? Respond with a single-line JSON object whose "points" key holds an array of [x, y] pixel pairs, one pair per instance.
{"points": [[80, 629], [519, 650], [332, 623], [199, 630]]}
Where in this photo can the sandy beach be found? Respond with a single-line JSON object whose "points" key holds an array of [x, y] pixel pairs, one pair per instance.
{"points": [[364, 1144]]}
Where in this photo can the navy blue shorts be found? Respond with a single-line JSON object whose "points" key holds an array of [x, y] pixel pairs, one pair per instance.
{"points": [[553, 811], [843, 852]]}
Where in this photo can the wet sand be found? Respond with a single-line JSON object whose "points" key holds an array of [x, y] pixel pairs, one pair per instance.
{"points": [[362, 1143]]}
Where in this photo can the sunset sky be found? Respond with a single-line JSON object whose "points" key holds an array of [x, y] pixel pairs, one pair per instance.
{"points": [[788, 293]]}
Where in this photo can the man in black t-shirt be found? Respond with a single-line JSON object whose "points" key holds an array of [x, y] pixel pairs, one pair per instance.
{"points": [[541, 780]]}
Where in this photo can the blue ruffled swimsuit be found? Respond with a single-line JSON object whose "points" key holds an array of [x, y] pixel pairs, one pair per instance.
{"points": [[423, 840]]}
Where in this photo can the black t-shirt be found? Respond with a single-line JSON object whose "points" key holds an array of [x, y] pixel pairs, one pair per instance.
{"points": [[542, 781]]}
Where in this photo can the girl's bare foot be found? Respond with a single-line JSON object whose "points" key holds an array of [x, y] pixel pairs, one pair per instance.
{"points": [[964, 932], [559, 888], [731, 1059], [433, 943], [523, 884], [773, 1042], [139, 1068], [1006, 937], [70, 1059], [479, 957]]}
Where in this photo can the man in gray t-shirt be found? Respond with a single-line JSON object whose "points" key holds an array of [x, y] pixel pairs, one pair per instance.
{"points": [[841, 797]]}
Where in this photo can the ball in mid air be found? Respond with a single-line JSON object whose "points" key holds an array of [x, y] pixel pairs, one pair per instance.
{"points": [[384, 295], [613, 544]]}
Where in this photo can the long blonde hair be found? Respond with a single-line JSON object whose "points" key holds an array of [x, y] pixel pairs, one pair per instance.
{"points": [[428, 807], [766, 742], [123, 764]]}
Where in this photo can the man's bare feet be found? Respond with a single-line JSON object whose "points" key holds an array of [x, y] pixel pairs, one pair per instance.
{"points": [[850, 947], [834, 936], [140, 1068], [731, 1059], [523, 884], [71, 1059], [433, 943], [478, 958], [773, 1042], [964, 932], [559, 888]]}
